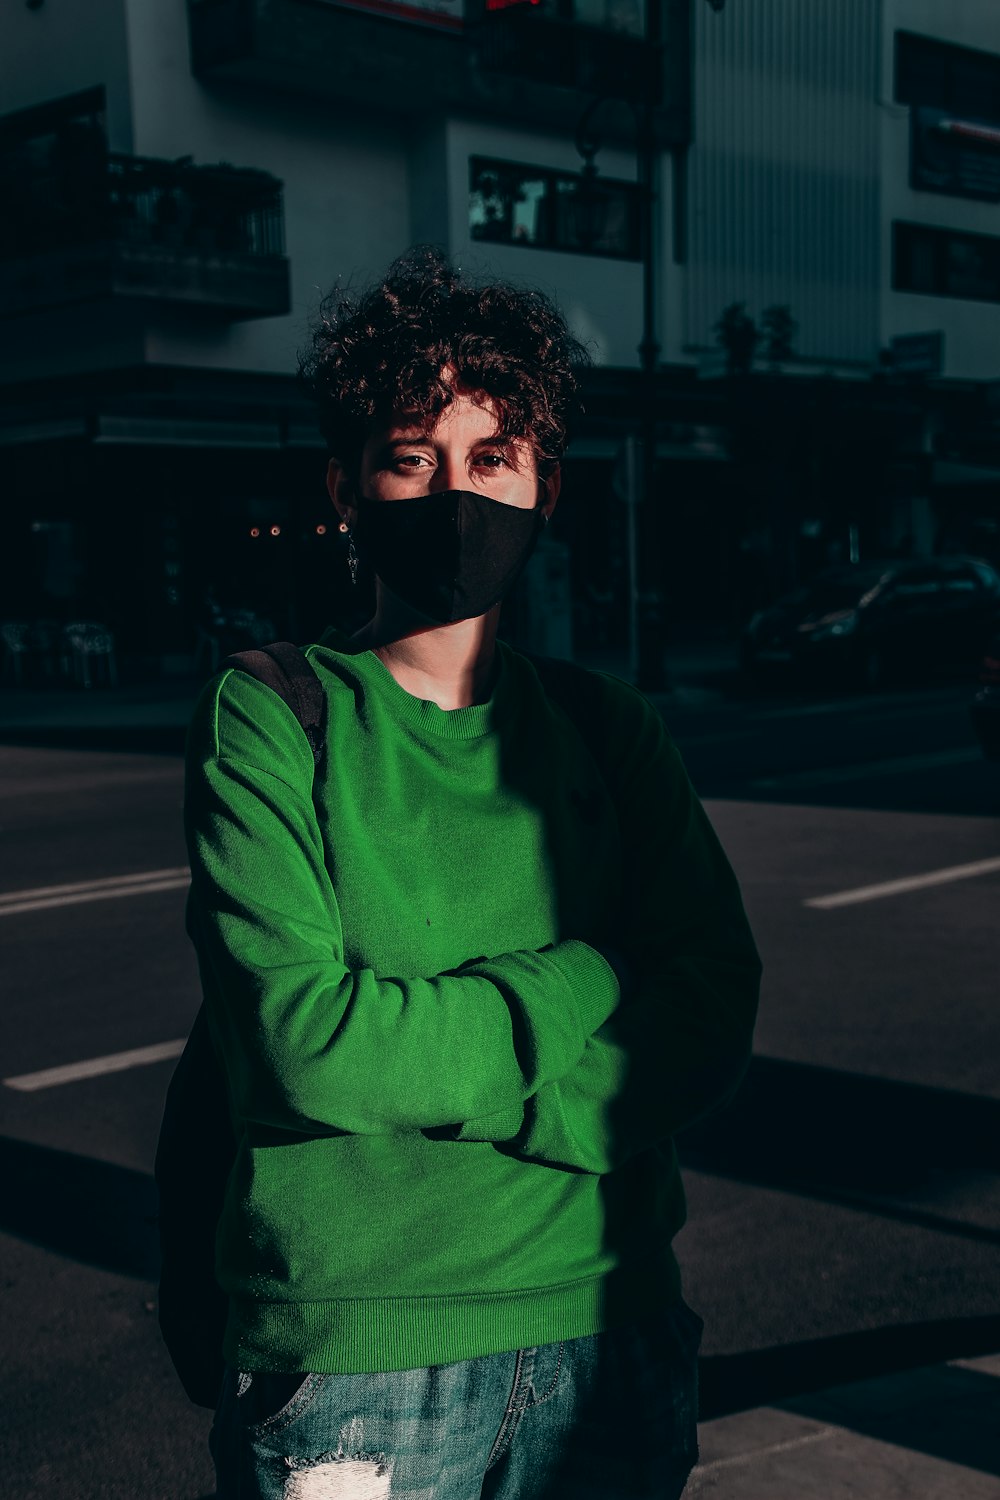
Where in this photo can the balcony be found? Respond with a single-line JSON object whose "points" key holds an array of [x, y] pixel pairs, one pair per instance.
{"points": [[103, 225], [523, 64]]}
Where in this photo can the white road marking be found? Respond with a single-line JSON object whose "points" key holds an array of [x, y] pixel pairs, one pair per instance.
{"points": [[869, 769], [12, 903], [908, 883], [95, 1067]]}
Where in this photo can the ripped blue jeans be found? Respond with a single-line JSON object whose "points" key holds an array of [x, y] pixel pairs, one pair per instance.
{"points": [[608, 1417]]}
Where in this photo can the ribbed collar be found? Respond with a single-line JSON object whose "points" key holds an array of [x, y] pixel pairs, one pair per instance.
{"points": [[426, 717]]}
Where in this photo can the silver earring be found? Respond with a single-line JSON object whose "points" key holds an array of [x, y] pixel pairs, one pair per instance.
{"points": [[352, 554]]}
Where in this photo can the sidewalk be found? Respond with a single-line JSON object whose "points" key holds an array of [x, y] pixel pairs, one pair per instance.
{"points": [[153, 706], [927, 1434], [697, 673]]}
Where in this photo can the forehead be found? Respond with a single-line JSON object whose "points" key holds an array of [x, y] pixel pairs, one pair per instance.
{"points": [[468, 415]]}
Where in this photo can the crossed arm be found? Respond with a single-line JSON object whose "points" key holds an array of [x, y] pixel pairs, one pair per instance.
{"points": [[537, 1052], [678, 1044]]}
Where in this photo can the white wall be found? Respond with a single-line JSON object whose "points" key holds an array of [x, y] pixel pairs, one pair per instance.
{"points": [[971, 329], [783, 183]]}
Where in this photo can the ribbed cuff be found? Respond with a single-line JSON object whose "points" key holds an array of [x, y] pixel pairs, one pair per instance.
{"points": [[592, 980]]}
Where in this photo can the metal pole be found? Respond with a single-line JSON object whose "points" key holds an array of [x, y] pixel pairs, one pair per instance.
{"points": [[632, 538], [650, 674]]}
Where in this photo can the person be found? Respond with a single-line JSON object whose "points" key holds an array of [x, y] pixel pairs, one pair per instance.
{"points": [[466, 979]]}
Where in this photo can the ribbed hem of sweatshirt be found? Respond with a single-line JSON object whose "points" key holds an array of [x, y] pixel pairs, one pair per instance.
{"points": [[360, 1336]]}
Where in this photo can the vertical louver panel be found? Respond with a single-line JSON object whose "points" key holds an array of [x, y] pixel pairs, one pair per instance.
{"points": [[783, 174]]}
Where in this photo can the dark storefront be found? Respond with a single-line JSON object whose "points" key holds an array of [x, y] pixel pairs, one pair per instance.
{"points": [[165, 506], [158, 534]]}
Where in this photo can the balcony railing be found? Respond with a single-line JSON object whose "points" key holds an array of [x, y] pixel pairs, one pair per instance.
{"points": [[215, 210], [210, 236]]}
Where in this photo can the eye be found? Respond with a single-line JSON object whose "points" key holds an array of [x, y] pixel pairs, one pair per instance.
{"points": [[491, 460], [409, 460]]}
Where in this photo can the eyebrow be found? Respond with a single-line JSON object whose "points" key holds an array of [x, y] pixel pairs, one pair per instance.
{"points": [[498, 440]]}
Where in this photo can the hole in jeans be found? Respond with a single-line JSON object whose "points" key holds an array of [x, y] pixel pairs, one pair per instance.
{"points": [[340, 1479]]}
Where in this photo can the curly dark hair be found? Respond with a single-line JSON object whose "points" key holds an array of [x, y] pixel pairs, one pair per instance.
{"points": [[384, 351]]}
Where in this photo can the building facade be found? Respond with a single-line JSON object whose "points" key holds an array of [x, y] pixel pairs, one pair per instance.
{"points": [[844, 167], [188, 181]]}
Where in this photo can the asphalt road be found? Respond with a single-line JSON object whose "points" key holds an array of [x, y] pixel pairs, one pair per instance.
{"points": [[844, 1216]]}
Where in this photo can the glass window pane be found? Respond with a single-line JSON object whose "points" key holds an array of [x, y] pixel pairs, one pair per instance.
{"points": [[969, 270], [976, 88], [528, 226], [611, 15], [920, 72], [921, 269], [489, 204], [522, 205], [595, 217]]}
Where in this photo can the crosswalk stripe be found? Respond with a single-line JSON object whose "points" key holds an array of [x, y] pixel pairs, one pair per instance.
{"points": [[907, 883], [41, 898], [95, 1067]]}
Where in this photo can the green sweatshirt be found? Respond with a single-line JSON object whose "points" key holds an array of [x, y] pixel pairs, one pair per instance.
{"points": [[454, 1133]]}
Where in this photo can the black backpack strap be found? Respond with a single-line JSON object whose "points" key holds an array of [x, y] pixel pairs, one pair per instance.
{"points": [[287, 671]]}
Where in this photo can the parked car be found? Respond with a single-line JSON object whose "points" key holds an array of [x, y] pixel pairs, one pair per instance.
{"points": [[871, 623], [986, 704]]}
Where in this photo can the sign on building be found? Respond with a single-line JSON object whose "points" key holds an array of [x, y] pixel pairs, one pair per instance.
{"points": [[953, 155], [917, 353], [447, 15]]}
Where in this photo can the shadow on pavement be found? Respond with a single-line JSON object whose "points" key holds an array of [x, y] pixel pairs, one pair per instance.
{"points": [[946, 1412], [87, 1210], [868, 1142], [863, 1141], [800, 1376], [105, 1215]]}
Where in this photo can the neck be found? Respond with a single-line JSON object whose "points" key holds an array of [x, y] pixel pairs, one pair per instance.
{"points": [[450, 665]]}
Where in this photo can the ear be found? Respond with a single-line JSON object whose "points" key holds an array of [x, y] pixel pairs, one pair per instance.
{"points": [[551, 485], [341, 491]]}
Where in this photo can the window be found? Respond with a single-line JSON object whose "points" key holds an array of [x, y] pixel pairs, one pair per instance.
{"points": [[53, 174], [943, 76], [945, 263], [514, 204], [627, 17], [610, 15]]}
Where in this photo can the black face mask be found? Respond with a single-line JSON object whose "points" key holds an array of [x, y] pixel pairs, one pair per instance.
{"points": [[450, 555]]}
